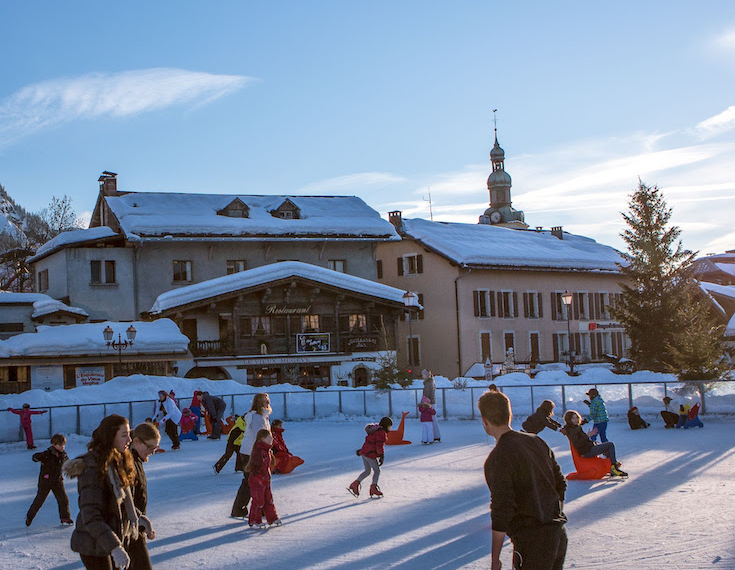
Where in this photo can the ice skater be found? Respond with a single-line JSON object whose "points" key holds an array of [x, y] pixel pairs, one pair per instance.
{"points": [[168, 416], [372, 453], [258, 470], [188, 425], [584, 445], [145, 441], [51, 479], [598, 414], [426, 413], [541, 418], [234, 440], [25, 414], [430, 392], [285, 460]]}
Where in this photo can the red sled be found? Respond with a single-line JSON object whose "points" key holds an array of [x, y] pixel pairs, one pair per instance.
{"points": [[588, 467], [285, 462]]}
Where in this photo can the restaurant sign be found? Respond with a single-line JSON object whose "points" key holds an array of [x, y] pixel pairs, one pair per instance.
{"points": [[312, 342]]}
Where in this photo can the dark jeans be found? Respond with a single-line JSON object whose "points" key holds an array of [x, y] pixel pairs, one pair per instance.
{"points": [[540, 547], [216, 419], [229, 450], [96, 562], [44, 487], [601, 431], [607, 449], [172, 431], [138, 552], [240, 506]]}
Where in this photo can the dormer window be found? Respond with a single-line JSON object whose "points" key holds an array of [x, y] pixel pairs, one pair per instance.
{"points": [[235, 209], [287, 211]]}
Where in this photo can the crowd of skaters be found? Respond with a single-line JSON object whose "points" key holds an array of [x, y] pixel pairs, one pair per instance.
{"points": [[112, 527]]}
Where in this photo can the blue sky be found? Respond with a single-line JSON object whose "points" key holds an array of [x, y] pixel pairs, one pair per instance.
{"points": [[384, 100]]}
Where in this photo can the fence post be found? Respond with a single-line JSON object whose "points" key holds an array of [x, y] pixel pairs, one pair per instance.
{"points": [[285, 407], [130, 413], [472, 403], [701, 395], [444, 402], [313, 403], [51, 422], [340, 401], [390, 403], [232, 404], [630, 396], [79, 421], [364, 402], [563, 399], [532, 406]]}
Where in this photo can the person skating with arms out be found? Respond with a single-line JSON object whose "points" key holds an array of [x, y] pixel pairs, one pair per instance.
{"points": [[372, 453], [51, 479], [527, 491]]}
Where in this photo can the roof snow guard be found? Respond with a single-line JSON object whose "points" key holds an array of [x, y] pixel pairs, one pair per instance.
{"points": [[158, 215], [267, 274]]}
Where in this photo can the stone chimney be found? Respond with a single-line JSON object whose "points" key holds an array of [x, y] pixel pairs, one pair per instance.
{"points": [[396, 218], [108, 183], [557, 232]]}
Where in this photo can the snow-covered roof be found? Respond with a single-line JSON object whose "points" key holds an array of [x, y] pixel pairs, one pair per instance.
{"points": [[486, 245], [152, 214], [158, 337], [724, 290], [9, 298], [269, 273], [728, 268], [75, 237], [50, 306]]}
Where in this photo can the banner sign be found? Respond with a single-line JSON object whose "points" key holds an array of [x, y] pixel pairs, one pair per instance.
{"points": [[312, 342]]}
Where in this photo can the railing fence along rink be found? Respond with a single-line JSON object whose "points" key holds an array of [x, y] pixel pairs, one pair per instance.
{"points": [[452, 403]]}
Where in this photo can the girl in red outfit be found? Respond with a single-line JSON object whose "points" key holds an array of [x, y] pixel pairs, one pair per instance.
{"points": [[285, 460], [372, 453], [259, 481], [25, 414]]}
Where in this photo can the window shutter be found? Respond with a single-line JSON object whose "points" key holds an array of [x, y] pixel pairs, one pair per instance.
{"points": [[597, 305], [421, 302], [575, 305], [501, 308], [515, 304], [419, 263], [555, 339], [380, 268], [491, 299], [554, 315], [525, 305], [400, 266], [476, 302], [539, 298]]}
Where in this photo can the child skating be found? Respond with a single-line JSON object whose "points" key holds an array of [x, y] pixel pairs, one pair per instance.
{"points": [[427, 414], [259, 480], [25, 414], [285, 460], [372, 453], [50, 479]]}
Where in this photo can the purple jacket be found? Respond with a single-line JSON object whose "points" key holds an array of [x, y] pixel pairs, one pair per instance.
{"points": [[427, 413]]}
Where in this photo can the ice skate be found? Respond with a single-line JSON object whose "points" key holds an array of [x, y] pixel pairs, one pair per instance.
{"points": [[375, 491], [354, 488], [66, 522], [615, 471], [276, 522], [257, 526]]}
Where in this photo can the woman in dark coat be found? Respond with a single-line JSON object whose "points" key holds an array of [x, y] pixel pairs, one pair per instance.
{"points": [[108, 519], [541, 418], [146, 440]]}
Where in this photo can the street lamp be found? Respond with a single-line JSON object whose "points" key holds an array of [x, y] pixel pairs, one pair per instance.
{"points": [[119, 344], [410, 301], [566, 298]]}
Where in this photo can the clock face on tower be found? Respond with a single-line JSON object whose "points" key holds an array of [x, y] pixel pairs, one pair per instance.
{"points": [[496, 217]]}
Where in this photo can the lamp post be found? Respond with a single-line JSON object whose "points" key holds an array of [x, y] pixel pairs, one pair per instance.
{"points": [[119, 344], [566, 298], [409, 300]]}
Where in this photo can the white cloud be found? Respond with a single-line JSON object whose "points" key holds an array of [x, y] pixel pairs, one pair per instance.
{"points": [[716, 125], [116, 95], [726, 40]]}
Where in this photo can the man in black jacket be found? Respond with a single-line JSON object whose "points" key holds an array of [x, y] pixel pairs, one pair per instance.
{"points": [[215, 407], [527, 491], [50, 479]]}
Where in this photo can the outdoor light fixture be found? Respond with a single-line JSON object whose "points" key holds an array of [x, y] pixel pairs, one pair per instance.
{"points": [[566, 298], [119, 344], [410, 301]]}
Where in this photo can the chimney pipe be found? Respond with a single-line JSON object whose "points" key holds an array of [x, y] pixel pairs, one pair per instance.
{"points": [[108, 183], [557, 232]]}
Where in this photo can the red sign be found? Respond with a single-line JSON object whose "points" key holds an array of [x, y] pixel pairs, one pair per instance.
{"points": [[593, 326]]}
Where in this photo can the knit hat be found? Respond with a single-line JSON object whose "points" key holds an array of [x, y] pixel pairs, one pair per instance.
{"points": [[425, 400]]}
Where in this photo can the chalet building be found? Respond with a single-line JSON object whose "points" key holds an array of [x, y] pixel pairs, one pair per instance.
{"points": [[496, 285], [143, 244], [718, 269], [285, 322], [24, 312]]}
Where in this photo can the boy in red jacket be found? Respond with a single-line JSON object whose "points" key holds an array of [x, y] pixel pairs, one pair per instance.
{"points": [[372, 453], [25, 414]]}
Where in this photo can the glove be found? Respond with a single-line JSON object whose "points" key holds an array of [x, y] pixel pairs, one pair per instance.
{"points": [[381, 458], [586, 402], [120, 557], [145, 523], [357, 453]]}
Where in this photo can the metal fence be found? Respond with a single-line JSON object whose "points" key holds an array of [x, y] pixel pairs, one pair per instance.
{"points": [[452, 403]]}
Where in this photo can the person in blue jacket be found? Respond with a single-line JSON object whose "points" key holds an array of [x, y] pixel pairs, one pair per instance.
{"points": [[598, 414]]}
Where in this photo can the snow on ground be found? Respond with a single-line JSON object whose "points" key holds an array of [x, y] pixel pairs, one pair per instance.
{"points": [[675, 511]]}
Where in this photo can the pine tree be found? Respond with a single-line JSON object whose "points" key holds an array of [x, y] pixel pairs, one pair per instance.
{"points": [[697, 347], [657, 273]]}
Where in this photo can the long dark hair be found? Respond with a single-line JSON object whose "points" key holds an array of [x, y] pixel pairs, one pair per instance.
{"points": [[102, 446]]}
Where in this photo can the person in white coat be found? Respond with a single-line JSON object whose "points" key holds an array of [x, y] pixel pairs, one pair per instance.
{"points": [[256, 419], [169, 417], [430, 392]]}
